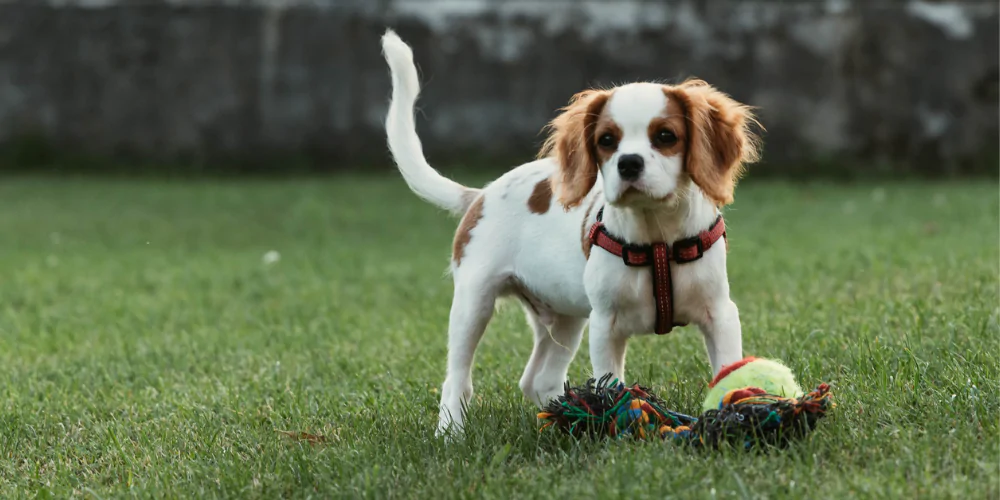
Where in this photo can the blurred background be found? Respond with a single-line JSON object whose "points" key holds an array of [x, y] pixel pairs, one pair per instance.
{"points": [[845, 88], [203, 241]]}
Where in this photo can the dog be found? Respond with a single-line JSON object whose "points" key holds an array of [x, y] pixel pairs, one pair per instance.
{"points": [[655, 163]]}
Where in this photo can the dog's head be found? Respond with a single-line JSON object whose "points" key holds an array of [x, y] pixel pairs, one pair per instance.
{"points": [[650, 142]]}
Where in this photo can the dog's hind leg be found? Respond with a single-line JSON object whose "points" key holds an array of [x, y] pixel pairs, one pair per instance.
{"points": [[545, 374], [471, 310], [543, 344]]}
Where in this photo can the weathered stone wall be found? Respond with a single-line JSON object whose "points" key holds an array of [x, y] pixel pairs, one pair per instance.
{"points": [[911, 84]]}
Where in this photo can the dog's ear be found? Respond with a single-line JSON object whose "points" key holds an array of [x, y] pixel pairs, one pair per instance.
{"points": [[571, 142], [721, 141]]}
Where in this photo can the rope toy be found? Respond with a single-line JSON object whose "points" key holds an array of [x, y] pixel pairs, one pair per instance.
{"points": [[757, 402]]}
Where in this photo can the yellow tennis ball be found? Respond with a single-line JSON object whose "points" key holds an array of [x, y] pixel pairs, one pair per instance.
{"points": [[769, 375]]}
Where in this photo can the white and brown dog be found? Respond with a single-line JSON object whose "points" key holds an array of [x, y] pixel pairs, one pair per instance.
{"points": [[658, 161]]}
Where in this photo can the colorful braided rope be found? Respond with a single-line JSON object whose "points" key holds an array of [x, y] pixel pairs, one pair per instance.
{"points": [[747, 416]]}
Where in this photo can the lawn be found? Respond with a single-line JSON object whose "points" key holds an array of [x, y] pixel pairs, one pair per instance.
{"points": [[148, 347]]}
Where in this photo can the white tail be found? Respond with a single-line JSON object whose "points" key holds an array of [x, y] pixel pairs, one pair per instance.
{"points": [[401, 130]]}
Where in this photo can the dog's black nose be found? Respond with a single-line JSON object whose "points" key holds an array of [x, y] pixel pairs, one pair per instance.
{"points": [[629, 167]]}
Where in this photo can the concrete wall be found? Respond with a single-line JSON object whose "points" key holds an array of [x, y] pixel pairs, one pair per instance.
{"points": [[844, 83]]}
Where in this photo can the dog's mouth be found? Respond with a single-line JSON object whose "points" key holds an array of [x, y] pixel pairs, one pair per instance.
{"points": [[633, 192], [634, 195]]}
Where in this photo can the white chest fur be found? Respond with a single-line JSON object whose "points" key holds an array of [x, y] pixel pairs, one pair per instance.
{"points": [[626, 292]]}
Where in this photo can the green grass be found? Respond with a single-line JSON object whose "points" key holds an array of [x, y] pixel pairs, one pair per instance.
{"points": [[146, 350]]}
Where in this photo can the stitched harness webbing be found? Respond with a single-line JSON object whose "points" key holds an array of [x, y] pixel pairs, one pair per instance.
{"points": [[659, 255]]}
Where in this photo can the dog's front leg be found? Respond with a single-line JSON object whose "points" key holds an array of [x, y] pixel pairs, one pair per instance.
{"points": [[723, 334], [607, 349]]}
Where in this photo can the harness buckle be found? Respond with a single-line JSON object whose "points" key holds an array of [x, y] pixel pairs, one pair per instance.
{"points": [[627, 249], [680, 247]]}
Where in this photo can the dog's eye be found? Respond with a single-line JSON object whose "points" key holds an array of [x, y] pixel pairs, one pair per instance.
{"points": [[665, 137], [606, 141]]}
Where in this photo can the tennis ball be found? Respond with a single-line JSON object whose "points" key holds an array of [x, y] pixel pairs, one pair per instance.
{"points": [[769, 375]]}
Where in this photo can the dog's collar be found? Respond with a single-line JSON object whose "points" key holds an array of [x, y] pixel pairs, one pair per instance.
{"points": [[659, 255]]}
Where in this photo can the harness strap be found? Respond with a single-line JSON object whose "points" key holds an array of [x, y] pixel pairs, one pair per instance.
{"points": [[658, 256]]}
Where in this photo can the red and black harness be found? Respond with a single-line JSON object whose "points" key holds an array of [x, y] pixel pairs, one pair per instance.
{"points": [[659, 255]]}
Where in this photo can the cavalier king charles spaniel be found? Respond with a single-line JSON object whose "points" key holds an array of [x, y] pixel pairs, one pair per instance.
{"points": [[646, 165]]}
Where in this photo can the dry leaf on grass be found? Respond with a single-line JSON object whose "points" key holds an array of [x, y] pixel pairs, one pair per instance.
{"points": [[305, 436]]}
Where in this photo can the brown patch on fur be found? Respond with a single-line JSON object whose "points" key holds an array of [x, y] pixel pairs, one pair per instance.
{"points": [[585, 226], [572, 142], [720, 140], [541, 197], [674, 120], [605, 125], [464, 233]]}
